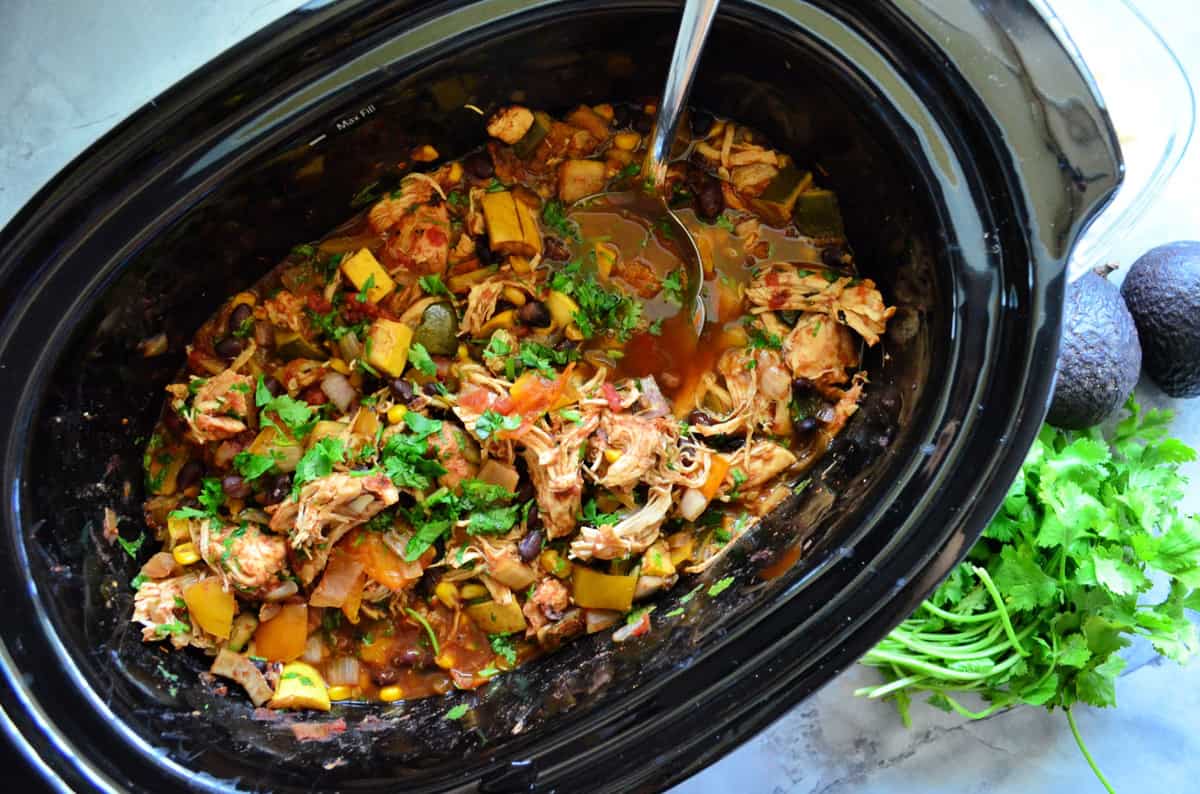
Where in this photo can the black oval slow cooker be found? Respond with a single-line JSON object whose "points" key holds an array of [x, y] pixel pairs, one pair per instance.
{"points": [[968, 147]]}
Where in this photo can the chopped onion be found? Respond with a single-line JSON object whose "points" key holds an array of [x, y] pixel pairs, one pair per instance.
{"points": [[338, 389], [159, 566], [349, 346], [361, 503], [692, 504], [342, 671], [314, 649], [501, 474], [652, 398], [284, 590], [153, 346], [339, 580], [776, 384], [600, 619]]}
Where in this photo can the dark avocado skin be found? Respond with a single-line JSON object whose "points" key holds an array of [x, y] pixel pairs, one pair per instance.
{"points": [[1162, 291], [1100, 358]]}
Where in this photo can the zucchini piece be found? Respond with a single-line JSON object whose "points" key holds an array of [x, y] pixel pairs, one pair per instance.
{"points": [[291, 345], [512, 228], [438, 329], [537, 133], [779, 199], [817, 215]]}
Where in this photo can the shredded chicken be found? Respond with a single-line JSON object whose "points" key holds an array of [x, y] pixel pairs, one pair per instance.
{"points": [[510, 123], [327, 509], [820, 350], [247, 559], [454, 450], [549, 603], [758, 462], [420, 243], [392, 209], [287, 310], [554, 468], [631, 535], [481, 305], [221, 408], [634, 441], [157, 606], [855, 302]]}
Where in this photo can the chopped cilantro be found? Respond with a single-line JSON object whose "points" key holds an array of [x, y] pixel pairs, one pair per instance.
{"points": [[593, 517], [495, 186], [502, 646], [433, 285], [655, 328], [421, 425], [720, 586], [458, 712], [318, 462], [131, 546], [633, 169], [600, 309], [252, 465], [367, 286], [433, 640], [724, 222], [490, 423], [571, 415], [554, 215], [672, 287], [418, 356]]}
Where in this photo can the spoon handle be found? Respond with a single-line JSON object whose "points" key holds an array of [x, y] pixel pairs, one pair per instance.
{"points": [[693, 29]]}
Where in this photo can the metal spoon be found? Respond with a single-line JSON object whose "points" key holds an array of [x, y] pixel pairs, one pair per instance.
{"points": [[651, 204]]}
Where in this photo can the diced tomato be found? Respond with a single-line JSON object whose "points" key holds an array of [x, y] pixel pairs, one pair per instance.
{"points": [[435, 236], [613, 397], [778, 299], [532, 395], [772, 279], [316, 301], [476, 400]]}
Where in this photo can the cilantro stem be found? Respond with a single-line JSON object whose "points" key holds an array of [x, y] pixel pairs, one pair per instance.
{"points": [[991, 588], [982, 617], [415, 615], [1086, 755], [912, 663]]}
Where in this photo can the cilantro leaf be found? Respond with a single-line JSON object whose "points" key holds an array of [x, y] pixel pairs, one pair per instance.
{"points": [[131, 546], [433, 285], [672, 287], [458, 712], [418, 356], [252, 465], [503, 646], [720, 586], [490, 423], [318, 462], [554, 215]]}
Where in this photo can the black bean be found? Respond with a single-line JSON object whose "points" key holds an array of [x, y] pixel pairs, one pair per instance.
{"points": [[535, 314], [832, 257], [235, 486], [272, 384], [530, 546], [279, 488], [556, 249], [525, 492], [802, 388], [483, 252], [621, 116], [699, 417], [431, 389], [189, 474], [533, 521], [727, 443], [807, 425], [700, 122], [402, 390], [238, 317], [643, 123], [229, 347], [479, 165], [710, 201]]}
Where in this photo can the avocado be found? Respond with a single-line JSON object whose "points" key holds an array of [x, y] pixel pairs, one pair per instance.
{"points": [[1162, 291], [1100, 357]]}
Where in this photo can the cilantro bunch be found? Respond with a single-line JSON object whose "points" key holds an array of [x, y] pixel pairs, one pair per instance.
{"points": [[1060, 581]]}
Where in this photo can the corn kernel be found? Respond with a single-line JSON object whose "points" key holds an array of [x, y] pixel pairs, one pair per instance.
{"points": [[185, 553], [650, 108], [604, 111], [573, 333], [425, 154], [248, 298], [339, 366], [456, 172], [444, 660], [178, 528], [519, 265], [612, 455], [627, 141], [390, 694], [447, 593], [341, 692], [395, 414], [514, 296], [464, 352], [472, 590]]}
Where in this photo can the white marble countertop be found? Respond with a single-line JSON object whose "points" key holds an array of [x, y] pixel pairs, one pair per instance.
{"points": [[71, 72]]}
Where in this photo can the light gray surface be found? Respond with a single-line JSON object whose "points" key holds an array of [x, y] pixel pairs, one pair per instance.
{"points": [[66, 77]]}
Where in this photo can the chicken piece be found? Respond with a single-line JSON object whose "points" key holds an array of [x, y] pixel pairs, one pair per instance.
{"points": [[549, 603], [247, 559], [861, 307], [221, 407], [752, 180], [631, 535], [463, 249], [391, 210], [481, 305], [420, 243], [494, 356], [554, 468], [747, 406], [636, 441], [457, 452], [820, 350], [749, 154], [300, 373], [156, 605], [782, 287], [510, 123], [327, 509], [846, 406], [757, 464], [286, 309]]}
